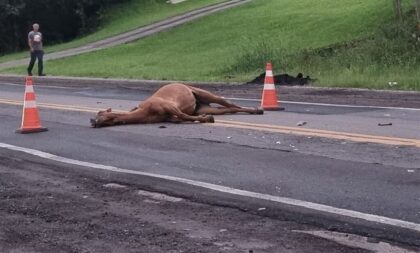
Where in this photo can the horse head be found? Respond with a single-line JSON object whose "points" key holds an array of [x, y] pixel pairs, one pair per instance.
{"points": [[103, 119]]}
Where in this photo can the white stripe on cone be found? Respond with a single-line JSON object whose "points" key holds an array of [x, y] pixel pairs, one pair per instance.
{"points": [[30, 104], [269, 86], [29, 88]]}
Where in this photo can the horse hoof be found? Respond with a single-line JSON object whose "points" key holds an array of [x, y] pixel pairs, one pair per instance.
{"points": [[93, 123], [259, 110], [210, 119]]}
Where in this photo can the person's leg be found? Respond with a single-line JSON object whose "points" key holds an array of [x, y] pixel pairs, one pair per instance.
{"points": [[40, 56], [31, 63]]}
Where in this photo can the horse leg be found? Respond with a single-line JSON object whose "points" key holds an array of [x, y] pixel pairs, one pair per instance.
{"points": [[206, 109], [206, 97], [178, 114], [174, 119]]}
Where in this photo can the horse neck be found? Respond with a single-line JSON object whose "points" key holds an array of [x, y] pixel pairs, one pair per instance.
{"points": [[129, 117]]}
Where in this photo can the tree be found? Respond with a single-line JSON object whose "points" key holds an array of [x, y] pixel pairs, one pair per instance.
{"points": [[417, 3], [10, 18], [398, 10], [60, 20]]}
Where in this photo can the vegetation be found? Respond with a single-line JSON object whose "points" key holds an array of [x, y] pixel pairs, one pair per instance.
{"points": [[340, 43], [122, 17], [63, 19]]}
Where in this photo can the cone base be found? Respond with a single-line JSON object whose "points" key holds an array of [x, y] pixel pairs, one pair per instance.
{"points": [[31, 130], [273, 108]]}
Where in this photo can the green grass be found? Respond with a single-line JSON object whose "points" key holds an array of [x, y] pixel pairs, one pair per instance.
{"points": [[340, 43], [389, 55], [125, 17]]}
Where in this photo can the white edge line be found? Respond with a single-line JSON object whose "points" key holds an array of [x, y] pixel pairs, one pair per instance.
{"points": [[325, 104], [225, 189]]}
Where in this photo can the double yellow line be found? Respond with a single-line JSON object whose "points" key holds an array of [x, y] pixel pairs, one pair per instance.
{"points": [[261, 127]]}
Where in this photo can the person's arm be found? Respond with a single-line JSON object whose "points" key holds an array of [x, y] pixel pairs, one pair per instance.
{"points": [[30, 43]]}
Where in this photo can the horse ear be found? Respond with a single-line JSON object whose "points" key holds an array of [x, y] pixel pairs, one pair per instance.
{"points": [[109, 110]]}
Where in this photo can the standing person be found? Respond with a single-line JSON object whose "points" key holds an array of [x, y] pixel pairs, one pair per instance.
{"points": [[37, 51]]}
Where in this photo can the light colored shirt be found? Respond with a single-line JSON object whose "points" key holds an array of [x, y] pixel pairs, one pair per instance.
{"points": [[35, 38]]}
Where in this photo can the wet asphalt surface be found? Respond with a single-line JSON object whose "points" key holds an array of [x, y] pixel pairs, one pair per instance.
{"points": [[371, 178]]}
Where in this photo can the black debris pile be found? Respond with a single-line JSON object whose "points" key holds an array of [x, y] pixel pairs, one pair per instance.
{"points": [[286, 79]]}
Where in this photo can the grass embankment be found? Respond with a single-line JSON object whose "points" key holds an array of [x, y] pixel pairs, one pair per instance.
{"points": [[125, 17], [340, 43]]}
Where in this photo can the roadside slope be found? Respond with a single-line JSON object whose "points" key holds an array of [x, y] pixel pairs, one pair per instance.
{"points": [[123, 18], [234, 46], [206, 49]]}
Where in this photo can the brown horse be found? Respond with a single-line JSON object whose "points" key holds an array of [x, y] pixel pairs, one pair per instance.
{"points": [[174, 102]]}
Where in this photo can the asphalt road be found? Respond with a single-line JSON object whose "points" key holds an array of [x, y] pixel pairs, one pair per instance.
{"points": [[338, 183], [50, 207], [212, 163]]}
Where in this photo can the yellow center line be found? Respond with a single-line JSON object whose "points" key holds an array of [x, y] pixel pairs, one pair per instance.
{"points": [[56, 106], [260, 127], [320, 133]]}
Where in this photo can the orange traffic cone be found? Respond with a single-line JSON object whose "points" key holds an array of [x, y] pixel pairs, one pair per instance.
{"points": [[269, 95], [30, 117]]}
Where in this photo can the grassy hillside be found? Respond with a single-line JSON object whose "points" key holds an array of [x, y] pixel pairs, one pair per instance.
{"points": [[125, 17], [341, 43]]}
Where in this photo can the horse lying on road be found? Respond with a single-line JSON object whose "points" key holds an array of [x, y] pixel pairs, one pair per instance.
{"points": [[173, 102]]}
